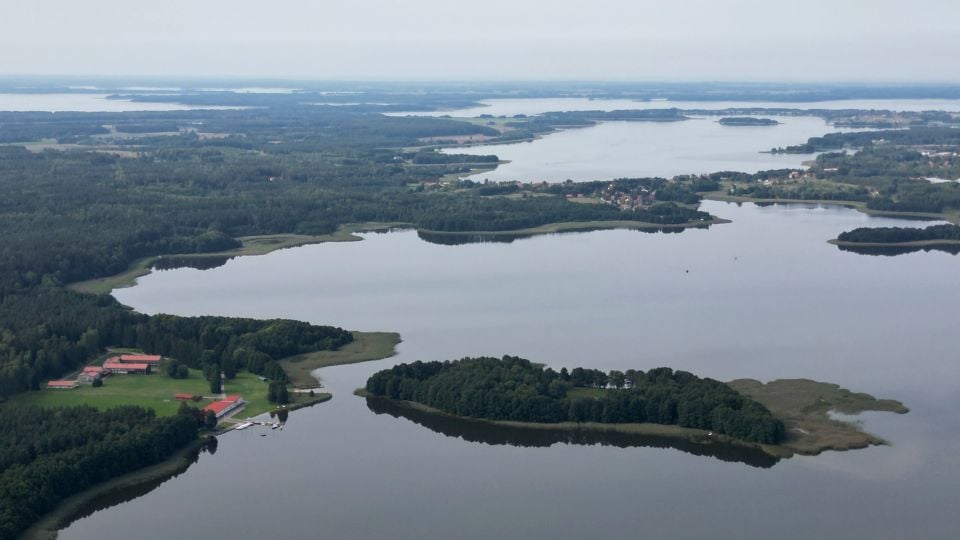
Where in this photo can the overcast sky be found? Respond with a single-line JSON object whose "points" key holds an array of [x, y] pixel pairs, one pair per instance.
{"points": [[770, 40]]}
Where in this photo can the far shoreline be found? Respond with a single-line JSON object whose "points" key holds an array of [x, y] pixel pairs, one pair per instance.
{"points": [[266, 244]]}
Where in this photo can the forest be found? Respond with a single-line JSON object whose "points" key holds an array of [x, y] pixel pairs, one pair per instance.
{"points": [[91, 211], [46, 456], [515, 389]]}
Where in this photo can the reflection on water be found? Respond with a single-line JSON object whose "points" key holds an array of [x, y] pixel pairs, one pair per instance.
{"points": [[196, 262], [460, 239], [130, 492], [892, 251], [487, 433]]}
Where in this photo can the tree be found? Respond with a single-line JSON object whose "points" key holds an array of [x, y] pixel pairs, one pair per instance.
{"points": [[277, 393], [215, 385], [183, 371], [617, 379], [97, 383], [210, 420]]}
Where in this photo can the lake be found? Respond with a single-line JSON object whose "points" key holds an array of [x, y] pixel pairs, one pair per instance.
{"points": [[531, 106], [639, 149], [87, 103], [764, 297]]}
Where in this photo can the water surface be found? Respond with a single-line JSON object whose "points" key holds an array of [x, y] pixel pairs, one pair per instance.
{"points": [[532, 106], [762, 297], [637, 149], [87, 103]]}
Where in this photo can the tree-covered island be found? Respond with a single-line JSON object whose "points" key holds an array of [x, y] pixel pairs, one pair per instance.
{"points": [[747, 121], [515, 389], [781, 417]]}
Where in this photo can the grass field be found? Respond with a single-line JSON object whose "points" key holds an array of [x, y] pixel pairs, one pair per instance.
{"points": [[153, 391], [366, 346], [804, 405]]}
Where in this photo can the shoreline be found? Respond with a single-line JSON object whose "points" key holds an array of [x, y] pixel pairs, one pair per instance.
{"points": [[266, 244], [859, 206], [694, 435], [253, 246], [373, 344], [570, 226], [803, 405], [366, 347], [910, 244], [74, 507]]}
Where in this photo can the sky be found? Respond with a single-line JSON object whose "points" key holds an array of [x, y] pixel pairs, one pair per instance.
{"points": [[684, 40]]}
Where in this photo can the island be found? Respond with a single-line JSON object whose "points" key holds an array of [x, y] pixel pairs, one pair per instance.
{"points": [[781, 417], [747, 121], [899, 236]]}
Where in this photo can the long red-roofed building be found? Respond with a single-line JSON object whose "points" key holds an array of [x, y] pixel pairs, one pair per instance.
{"points": [[152, 359], [115, 366], [62, 384], [224, 406]]}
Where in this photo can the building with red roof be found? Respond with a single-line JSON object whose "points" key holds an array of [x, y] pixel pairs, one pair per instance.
{"points": [[62, 384], [152, 359], [91, 373], [185, 397], [114, 366], [224, 406]]}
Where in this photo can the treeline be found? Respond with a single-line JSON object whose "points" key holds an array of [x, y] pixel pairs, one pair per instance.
{"points": [[55, 331], [838, 141], [514, 389], [893, 235], [48, 455]]}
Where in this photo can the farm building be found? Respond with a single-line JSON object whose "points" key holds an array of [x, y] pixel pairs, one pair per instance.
{"points": [[114, 366], [224, 406], [62, 384], [152, 359], [186, 397], [90, 374]]}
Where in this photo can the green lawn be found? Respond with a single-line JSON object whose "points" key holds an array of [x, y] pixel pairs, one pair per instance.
{"points": [[153, 391], [365, 346]]}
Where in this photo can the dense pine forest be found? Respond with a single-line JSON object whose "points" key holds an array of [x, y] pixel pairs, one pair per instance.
{"points": [[514, 389], [46, 456]]}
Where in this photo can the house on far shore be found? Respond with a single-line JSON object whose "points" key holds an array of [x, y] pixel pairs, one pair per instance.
{"points": [[62, 384], [224, 406]]}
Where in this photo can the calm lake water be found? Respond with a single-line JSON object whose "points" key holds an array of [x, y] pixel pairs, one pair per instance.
{"points": [[514, 106], [762, 297], [638, 149], [86, 103]]}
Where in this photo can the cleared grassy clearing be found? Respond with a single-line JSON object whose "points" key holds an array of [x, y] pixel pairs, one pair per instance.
{"points": [[366, 346], [155, 392], [803, 406]]}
